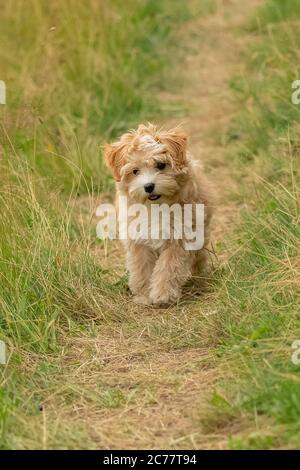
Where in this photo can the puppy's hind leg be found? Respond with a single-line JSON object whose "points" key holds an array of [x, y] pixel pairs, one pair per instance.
{"points": [[140, 263], [172, 270]]}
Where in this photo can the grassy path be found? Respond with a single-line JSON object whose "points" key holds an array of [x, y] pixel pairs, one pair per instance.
{"points": [[159, 367], [87, 368]]}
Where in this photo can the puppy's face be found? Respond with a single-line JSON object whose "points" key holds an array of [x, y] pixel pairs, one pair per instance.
{"points": [[149, 165]]}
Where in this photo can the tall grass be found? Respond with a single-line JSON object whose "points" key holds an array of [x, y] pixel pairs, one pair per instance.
{"points": [[77, 74], [259, 293]]}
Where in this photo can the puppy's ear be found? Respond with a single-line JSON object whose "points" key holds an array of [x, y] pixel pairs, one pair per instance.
{"points": [[175, 141], [114, 158], [116, 154]]}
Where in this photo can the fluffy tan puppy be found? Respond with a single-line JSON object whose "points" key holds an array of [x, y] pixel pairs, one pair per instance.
{"points": [[152, 166]]}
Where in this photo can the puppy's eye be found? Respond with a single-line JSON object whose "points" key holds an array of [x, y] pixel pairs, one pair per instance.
{"points": [[161, 165], [135, 172]]}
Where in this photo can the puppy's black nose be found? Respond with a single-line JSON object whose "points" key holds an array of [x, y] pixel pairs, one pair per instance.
{"points": [[149, 187]]}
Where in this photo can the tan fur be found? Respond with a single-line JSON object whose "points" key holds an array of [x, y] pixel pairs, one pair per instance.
{"points": [[158, 269]]}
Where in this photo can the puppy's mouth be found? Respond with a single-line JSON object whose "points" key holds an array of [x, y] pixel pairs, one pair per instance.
{"points": [[154, 197]]}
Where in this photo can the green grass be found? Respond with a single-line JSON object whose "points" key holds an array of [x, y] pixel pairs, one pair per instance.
{"points": [[259, 291], [77, 74], [73, 82]]}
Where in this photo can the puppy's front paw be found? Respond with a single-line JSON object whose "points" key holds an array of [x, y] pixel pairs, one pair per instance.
{"points": [[141, 300], [162, 299], [163, 293]]}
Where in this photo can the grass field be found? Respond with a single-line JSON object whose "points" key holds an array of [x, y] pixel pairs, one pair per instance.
{"points": [[73, 81], [86, 368], [259, 291]]}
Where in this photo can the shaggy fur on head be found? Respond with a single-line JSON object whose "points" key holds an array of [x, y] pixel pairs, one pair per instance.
{"points": [[151, 166]]}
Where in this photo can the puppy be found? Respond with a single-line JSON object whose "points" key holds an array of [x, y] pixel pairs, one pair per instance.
{"points": [[152, 166]]}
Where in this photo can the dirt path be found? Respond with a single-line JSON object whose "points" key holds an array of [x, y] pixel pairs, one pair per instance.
{"points": [[162, 363], [213, 58]]}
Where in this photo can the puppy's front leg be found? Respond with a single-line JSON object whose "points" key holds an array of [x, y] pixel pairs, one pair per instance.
{"points": [[172, 270], [140, 264]]}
